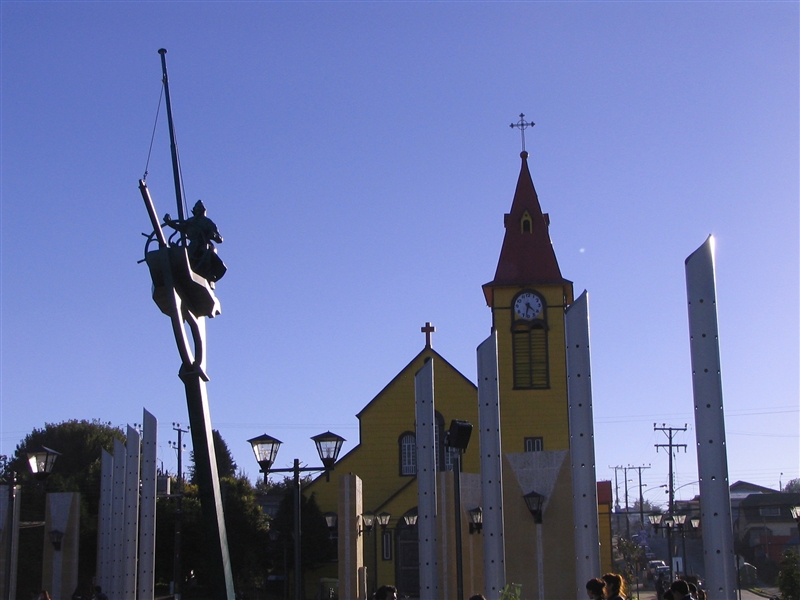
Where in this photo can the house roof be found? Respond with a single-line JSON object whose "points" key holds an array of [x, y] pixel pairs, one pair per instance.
{"points": [[527, 257]]}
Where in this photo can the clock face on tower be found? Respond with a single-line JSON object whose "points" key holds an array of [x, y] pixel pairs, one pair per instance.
{"points": [[528, 306]]}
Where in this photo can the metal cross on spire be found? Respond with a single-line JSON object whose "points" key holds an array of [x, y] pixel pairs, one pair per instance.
{"points": [[522, 124], [428, 330]]}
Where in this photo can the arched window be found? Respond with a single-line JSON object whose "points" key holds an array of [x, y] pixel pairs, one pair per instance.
{"points": [[526, 223], [408, 454], [530, 356]]}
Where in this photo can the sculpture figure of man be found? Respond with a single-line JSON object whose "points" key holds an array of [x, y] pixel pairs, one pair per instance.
{"points": [[201, 232]]}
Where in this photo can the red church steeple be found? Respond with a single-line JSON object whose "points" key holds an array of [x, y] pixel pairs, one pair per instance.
{"points": [[527, 256]]}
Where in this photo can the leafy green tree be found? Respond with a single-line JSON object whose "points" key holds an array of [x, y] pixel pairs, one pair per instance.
{"points": [[789, 576], [76, 470]]}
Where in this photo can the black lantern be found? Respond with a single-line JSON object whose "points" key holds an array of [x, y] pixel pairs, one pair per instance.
{"points": [[265, 447], [655, 521], [475, 520], [42, 461], [328, 446], [368, 519], [383, 519], [330, 519], [56, 537], [535, 503], [410, 520]]}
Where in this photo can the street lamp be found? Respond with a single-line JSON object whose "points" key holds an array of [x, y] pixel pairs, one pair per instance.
{"points": [[368, 520], [534, 501], [265, 448], [680, 520], [41, 462], [796, 516], [457, 438], [475, 520], [668, 524]]}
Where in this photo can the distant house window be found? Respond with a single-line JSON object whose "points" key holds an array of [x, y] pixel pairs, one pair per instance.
{"points": [[769, 511], [534, 444], [408, 454]]}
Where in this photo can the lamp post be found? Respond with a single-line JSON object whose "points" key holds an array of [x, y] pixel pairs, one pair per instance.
{"points": [[796, 516], [475, 520], [668, 524], [680, 521], [535, 503], [457, 438], [41, 462], [265, 448]]}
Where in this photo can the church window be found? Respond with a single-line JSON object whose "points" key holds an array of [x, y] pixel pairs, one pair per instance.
{"points": [[450, 455], [526, 223], [534, 444], [408, 454], [386, 545], [530, 356]]}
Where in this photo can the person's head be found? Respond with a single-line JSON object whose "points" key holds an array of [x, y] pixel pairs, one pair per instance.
{"points": [[679, 589], [615, 585], [594, 588], [386, 592], [477, 597], [98, 589], [199, 208]]}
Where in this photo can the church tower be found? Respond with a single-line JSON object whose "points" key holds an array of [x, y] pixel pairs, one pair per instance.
{"points": [[528, 298]]}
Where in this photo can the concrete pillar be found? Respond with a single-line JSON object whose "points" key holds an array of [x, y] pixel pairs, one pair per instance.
{"points": [[131, 514], [352, 574], [105, 522], [60, 565]]}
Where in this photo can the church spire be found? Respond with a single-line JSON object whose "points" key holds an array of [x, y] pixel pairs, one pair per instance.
{"points": [[527, 256]]}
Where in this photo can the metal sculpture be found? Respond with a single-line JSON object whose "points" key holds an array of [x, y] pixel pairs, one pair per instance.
{"points": [[184, 269]]}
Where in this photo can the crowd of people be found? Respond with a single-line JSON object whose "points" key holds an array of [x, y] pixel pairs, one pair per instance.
{"points": [[612, 587]]}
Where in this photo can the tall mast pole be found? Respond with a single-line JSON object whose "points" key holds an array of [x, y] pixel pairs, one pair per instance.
{"points": [[173, 146]]}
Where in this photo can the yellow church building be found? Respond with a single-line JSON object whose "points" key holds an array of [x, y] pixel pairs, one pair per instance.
{"points": [[540, 538]]}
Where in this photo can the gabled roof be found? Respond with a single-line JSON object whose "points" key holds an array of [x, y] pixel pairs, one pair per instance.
{"points": [[527, 256], [742, 489], [427, 351]]}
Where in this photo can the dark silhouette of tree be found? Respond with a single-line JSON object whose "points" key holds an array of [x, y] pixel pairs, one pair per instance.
{"points": [[316, 545], [226, 466], [792, 486], [76, 470]]}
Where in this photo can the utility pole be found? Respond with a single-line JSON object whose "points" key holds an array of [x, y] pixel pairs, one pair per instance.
{"points": [[177, 568], [670, 433], [627, 506], [616, 493], [641, 495]]}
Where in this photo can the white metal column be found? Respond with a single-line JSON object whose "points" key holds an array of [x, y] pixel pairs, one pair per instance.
{"points": [[147, 510], [426, 483], [104, 521], [131, 527], [712, 459], [494, 557], [581, 431], [118, 523]]}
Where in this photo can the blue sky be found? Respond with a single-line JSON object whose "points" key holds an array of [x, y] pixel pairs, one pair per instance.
{"points": [[357, 158]]}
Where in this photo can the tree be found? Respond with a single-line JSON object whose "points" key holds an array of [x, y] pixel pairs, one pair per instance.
{"points": [[792, 486], [76, 470], [316, 547], [245, 523], [789, 576], [226, 466]]}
